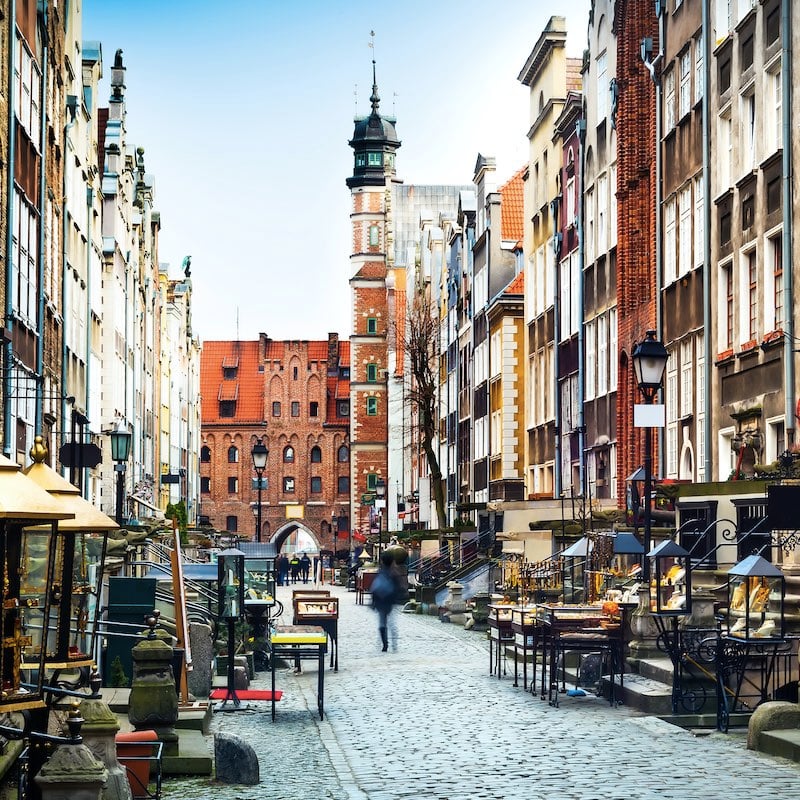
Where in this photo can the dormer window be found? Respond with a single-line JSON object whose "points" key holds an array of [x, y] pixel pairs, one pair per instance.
{"points": [[361, 159], [374, 159]]}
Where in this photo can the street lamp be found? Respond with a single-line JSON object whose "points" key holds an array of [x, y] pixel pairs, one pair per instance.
{"points": [[120, 450], [649, 361], [259, 454], [230, 607], [380, 493]]}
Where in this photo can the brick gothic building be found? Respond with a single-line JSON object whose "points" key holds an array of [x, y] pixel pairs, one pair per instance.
{"points": [[295, 396], [637, 290]]}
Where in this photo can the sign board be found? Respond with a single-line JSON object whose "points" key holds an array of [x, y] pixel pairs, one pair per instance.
{"points": [[295, 511], [367, 500], [80, 454], [649, 416]]}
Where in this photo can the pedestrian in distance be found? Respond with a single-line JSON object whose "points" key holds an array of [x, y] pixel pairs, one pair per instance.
{"points": [[283, 570], [305, 567], [385, 593], [294, 567]]}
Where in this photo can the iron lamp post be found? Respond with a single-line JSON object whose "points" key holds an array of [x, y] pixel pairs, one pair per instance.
{"points": [[120, 451], [259, 454], [230, 607], [649, 359]]}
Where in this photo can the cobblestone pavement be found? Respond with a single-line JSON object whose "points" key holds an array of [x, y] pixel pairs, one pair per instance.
{"points": [[429, 722]]}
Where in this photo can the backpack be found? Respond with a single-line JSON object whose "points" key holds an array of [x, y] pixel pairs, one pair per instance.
{"points": [[383, 589]]}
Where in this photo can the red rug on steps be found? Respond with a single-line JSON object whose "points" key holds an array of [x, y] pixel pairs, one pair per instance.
{"points": [[246, 694]]}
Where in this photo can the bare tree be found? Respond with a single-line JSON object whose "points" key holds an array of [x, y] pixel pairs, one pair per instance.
{"points": [[422, 328]]}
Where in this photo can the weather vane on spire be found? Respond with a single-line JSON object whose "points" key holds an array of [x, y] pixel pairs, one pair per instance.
{"points": [[375, 98]]}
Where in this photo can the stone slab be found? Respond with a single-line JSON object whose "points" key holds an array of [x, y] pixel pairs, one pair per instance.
{"points": [[784, 743], [194, 756]]}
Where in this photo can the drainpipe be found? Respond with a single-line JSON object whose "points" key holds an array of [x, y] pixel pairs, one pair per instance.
{"points": [[786, 177], [9, 274], [558, 478], [72, 105], [707, 377], [658, 226], [580, 130], [39, 373], [88, 381]]}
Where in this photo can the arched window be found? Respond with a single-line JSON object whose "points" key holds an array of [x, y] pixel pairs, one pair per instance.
{"points": [[316, 455], [205, 454], [343, 455], [233, 455], [288, 455]]}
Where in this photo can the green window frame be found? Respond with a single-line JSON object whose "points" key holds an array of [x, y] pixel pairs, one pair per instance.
{"points": [[361, 159], [372, 406], [373, 235], [372, 481], [374, 159], [372, 324], [372, 373]]}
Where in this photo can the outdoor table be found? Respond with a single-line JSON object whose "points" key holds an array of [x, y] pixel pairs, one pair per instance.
{"points": [[500, 635], [298, 642]]}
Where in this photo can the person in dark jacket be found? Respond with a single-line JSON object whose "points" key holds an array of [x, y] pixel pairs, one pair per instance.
{"points": [[385, 593], [305, 567], [294, 567]]}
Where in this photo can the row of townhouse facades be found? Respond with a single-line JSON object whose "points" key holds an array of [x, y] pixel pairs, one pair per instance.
{"points": [[658, 195], [95, 332]]}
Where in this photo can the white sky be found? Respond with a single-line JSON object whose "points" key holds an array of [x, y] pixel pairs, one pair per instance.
{"points": [[245, 109]]}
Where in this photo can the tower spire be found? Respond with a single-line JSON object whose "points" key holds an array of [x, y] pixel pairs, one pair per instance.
{"points": [[375, 98]]}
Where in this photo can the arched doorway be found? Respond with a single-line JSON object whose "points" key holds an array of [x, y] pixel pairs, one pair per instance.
{"points": [[295, 538]]}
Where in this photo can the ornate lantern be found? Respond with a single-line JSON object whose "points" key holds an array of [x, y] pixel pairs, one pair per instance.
{"points": [[756, 594], [671, 585]]}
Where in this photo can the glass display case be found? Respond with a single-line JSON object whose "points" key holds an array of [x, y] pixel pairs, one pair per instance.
{"points": [[756, 594], [575, 559]]}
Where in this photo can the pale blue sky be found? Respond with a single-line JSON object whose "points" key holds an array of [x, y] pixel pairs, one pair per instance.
{"points": [[245, 109]]}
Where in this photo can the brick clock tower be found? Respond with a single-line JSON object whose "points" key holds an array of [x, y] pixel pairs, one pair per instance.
{"points": [[374, 144]]}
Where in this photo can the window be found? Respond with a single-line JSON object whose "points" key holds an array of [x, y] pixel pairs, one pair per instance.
{"points": [[343, 455], [700, 427], [372, 481], [602, 356], [295, 408], [685, 230], [602, 214], [775, 255], [773, 111], [686, 83], [276, 408], [727, 283], [591, 359], [288, 485], [372, 406], [372, 373], [233, 485], [612, 206], [361, 159], [254, 483], [233, 455], [570, 219], [589, 232], [342, 408], [725, 151], [670, 267], [231, 524], [288, 455], [374, 159], [749, 132], [672, 417], [313, 409], [687, 377], [205, 454], [372, 325], [343, 484], [602, 88], [699, 222], [373, 235], [316, 485], [316, 455], [752, 280], [229, 373], [699, 68], [294, 373], [227, 409], [669, 101], [205, 485]]}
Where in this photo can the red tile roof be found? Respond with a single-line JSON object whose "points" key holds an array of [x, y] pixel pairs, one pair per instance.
{"points": [[247, 389], [512, 210], [517, 286]]}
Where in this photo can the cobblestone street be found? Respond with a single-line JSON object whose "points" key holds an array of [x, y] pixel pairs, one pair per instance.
{"points": [[429, 722]]}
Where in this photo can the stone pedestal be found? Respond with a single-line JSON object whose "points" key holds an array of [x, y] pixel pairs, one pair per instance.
{"points": [[202, 643], [480, 612], [99, 729], [702, 615], [153, 701], [455, 603], [644, 629], [72, 773]]}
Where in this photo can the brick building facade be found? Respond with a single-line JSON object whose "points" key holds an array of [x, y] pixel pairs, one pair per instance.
{"points": [[294, 396]]}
